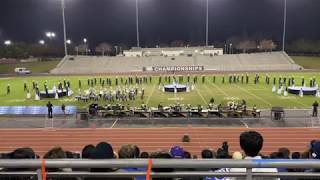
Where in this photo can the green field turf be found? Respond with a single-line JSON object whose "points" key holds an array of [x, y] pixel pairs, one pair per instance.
{"points": [[307, 62], [35, 67], [259, 94]]}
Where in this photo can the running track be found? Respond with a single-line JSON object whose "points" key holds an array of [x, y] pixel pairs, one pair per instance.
{"points": [[153, 139]]}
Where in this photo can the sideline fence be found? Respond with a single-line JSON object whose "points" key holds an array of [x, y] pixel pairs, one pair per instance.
{"points": [[248, 165]]}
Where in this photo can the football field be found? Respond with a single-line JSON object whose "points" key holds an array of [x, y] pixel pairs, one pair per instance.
{"points": [[259, 94]]}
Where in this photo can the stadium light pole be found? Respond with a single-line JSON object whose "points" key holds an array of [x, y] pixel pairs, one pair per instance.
{"points": [[85, 43], [137, 23], [207, 23], [284, 25], [64, 28]]}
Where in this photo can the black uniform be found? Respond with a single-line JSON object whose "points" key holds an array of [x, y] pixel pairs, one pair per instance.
{"points": [[315, 109], [63, 108], [8, 89], [50, 107]]}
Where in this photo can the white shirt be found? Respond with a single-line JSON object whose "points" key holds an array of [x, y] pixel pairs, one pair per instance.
{"points": [[261, 170]]}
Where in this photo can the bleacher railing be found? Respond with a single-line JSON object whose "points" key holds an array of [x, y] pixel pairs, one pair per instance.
{"points": [[192, 168]]}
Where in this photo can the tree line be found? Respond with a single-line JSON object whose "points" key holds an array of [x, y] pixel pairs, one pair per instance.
{"points": [[236, 44]]}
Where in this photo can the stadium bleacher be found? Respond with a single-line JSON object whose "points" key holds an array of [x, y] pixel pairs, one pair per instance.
{"points": [[275, 61]]}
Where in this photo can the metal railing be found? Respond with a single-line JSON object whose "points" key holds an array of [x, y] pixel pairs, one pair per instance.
{"points": [[194, 165]]}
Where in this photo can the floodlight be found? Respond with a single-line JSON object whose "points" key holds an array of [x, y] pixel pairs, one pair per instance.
{"points": [[7, 42], [42, 42], [50, 34]]}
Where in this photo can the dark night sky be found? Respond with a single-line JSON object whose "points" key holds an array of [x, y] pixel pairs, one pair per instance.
{"points": [[161, 21]]}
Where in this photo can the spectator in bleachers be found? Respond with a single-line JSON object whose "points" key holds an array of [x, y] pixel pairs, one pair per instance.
{"points": [[237, 155], [177, 152], [305, 155], [187, 155], [87, 150], [20, 153], [222, 154], [57, 153], [103, 150], [207, 154], [314, 153], [136, 150], [285, 152], [274, 155], [72, 155], [144, 155], [161, 155], [85, 154], [251, 143], [295, 155], [129, 151]]}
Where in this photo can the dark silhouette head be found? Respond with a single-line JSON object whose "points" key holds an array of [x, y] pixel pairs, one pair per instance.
{"points": [[251, 143]]}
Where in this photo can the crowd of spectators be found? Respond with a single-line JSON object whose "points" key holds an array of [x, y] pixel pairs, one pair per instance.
{"points": [[251, 143]]}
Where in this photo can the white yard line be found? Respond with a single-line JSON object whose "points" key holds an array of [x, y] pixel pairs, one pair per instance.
{"points": [[219, 89], [115, 122], [154, 87], [250, 93], [298, 102], [245, 124], [200, 95]]}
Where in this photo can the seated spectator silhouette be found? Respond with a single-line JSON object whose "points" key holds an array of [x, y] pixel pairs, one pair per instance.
{"points": [[20, 153], [207, 154], [177, 152], [130, 151], [87, 150], [237, 155], [161, 155], [251, 143], [144, 155], [57, 153], [314, 153], [296, 155], [85, 154], [104, 151]]}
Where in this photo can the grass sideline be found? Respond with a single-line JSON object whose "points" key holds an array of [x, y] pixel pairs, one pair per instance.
{"points": [[307, 62], [259, 94], [35, 67]]}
